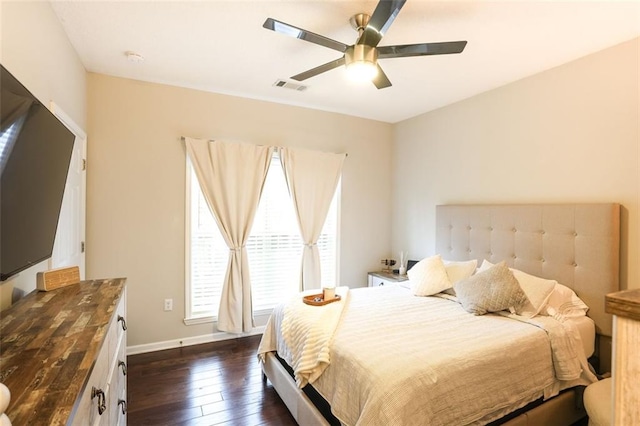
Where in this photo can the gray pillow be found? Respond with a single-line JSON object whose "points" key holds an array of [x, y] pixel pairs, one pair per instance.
{"points": [[493, 290]]}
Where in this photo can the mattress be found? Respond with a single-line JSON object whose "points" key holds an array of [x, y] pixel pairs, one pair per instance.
{"points": [[587, 329], [399, 359]]}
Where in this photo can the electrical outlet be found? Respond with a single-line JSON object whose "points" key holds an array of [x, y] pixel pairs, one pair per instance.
{"points": [[168, 304]]}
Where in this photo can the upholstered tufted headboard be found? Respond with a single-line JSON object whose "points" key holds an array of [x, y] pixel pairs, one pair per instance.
{"points": [[576, 244]]}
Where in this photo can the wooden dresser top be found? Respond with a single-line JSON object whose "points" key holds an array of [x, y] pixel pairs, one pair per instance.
{"points": [[49, 342], [624, 303]]}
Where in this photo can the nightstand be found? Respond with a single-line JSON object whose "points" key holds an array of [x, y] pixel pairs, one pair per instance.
{"points": [[379, 278]]}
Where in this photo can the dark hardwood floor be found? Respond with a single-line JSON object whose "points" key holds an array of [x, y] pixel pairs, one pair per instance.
{"points": [[210, 384]]}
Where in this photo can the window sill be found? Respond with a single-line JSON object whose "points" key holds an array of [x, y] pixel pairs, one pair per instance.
{"points": [[212, 319], [200, 320]]}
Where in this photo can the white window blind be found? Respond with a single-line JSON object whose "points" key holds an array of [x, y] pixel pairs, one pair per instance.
{"points": [[274, 248], [8, 139]]}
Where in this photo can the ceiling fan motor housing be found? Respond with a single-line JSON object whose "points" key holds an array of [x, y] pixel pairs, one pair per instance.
{"points": [[360, 53]]}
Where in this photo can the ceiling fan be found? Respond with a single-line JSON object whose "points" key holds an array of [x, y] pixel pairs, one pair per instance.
{"points": [[362, 57]]}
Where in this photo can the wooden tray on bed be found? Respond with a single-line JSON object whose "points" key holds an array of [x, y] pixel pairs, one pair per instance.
{"points": [[318, 300]]}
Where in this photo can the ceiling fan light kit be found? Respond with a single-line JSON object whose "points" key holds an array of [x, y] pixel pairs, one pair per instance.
{"points": [[361, 61], [361, 58]]}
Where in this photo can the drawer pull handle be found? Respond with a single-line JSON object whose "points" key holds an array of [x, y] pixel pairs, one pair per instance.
{"points": [[123, 365], [123, 405], [102, 401], [124, 323]]}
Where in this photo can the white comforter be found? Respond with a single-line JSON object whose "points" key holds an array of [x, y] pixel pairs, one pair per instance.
{"points": [[399, 359]]}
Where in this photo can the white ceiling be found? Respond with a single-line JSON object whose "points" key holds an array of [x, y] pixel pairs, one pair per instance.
{"points": [[221, 47]]}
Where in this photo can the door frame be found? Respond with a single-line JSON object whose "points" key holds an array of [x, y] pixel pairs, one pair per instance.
{"points": [[81, 139]]}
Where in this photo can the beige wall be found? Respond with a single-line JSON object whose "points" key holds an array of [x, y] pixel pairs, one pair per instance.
{"points": [[35, 49], [569, 134], [136, 186]]}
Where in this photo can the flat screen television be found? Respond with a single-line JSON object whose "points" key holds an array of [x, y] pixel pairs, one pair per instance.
{"points": [[35, 151]]}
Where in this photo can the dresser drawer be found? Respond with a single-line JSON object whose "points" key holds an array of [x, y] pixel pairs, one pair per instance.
{"points": [[377, 279], [99, 400], [87, 412], [118, 388], [118, 327]]}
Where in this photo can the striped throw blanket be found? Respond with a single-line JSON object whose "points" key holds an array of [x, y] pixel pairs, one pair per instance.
{"points": [[307, 332]]}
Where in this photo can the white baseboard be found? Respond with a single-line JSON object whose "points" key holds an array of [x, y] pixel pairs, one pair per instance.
{"points": [[189, 341]]}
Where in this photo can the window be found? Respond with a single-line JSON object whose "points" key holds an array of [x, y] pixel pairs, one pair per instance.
{"points": [[274, 249]]}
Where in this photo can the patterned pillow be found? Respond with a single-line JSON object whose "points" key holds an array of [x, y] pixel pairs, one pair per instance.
{"points": [[492, 290], [538, 291]]}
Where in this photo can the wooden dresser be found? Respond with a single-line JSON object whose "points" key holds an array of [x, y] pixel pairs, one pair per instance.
{"points": [[625, 306], [63, 355]]}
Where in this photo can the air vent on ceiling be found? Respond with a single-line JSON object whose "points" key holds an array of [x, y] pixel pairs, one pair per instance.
{"points": [[288, 85]]}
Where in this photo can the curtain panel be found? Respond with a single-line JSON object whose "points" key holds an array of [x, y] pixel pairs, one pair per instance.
{"points": [[231, 176], [312, 178]]}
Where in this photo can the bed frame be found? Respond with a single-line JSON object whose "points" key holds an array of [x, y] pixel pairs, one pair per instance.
{"points": [[575, 244]]}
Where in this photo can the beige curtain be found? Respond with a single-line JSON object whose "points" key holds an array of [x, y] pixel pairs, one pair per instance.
{"points": [[312, 178], [232, 176]]}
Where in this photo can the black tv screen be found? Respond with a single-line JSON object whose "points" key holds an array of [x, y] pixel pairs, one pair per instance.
{"points": [[35, 151]]}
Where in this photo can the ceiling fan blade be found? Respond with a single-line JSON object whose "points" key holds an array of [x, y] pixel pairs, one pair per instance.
{"points": [[380, 21], [319, 70], [406, 50], [381, 80], [290, 30]]}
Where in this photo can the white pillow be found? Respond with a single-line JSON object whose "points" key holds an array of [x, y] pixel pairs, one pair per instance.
{"points": [[484, 266], [429, 276], [564, 303], [538, 291], [459, 270]]}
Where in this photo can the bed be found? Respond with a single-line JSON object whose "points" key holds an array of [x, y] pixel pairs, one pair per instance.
{"points": [[443, 374]]}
